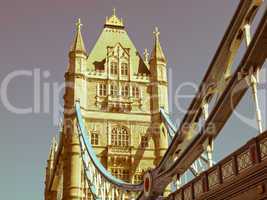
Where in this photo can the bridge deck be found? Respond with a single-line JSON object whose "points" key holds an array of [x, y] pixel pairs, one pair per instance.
{"points": [[241, 175]]}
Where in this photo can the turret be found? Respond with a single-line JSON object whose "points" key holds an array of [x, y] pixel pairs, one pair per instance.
{"points": [[77, 54], [159, 79], [76, 89], [76, 69], [50, 167], [50, 161], [159, 95]]}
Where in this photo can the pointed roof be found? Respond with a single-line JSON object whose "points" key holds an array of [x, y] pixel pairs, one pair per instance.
{"points": [[114, 20], [157, 52], [53, 149], [112, 35], [78, 44]]}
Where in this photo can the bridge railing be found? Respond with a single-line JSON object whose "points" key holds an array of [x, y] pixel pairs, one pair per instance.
{"points": [[234, 165], [199, 165], [217, 76], [184, 151], [189, 149]]}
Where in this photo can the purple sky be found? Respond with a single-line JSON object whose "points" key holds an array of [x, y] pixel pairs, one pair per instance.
{"points": [[38, 34]]}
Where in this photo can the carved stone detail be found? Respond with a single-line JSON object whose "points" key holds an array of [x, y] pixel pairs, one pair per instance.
{"points": [[227, 170], [213, 179], [198, 188], [178, 196], [244, 161], [263, 149], [188, 193]]}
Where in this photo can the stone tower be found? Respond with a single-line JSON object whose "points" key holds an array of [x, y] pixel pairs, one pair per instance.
{"points": [[120, 94]]}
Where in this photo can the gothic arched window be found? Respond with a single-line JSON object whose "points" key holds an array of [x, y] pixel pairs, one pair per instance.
{"points": [[125, 90], [114, 68], [102, 89], [121, 173], [124, 69], [94, 138], [119, 137], [113, 90], [135, 92]]}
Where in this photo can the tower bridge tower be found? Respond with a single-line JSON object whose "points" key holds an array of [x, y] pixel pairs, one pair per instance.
{"points": [[120, 94]]}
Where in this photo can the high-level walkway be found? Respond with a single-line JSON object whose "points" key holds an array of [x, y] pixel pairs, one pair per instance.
{"points": [[241, 175]]}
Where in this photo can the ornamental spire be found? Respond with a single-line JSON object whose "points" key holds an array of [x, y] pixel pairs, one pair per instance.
{"points": [[114, 21], [156, 33], [78, 44], [78, 24], [53, 149], [157, 53], [146, 55]]}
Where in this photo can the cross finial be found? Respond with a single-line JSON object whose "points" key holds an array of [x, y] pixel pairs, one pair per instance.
{"points": [[146, 54], [78, 24], [114, 11], [156, 32]]}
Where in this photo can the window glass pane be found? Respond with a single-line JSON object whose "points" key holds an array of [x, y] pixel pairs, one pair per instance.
{"points": [[102, 89], [144, 141], [113, 90], [135, 92], [124, 69], [114, 68], [94, 138], [119, 137], [125, 90], [121, 173]]}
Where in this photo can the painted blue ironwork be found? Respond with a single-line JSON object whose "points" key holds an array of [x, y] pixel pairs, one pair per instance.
{"points": [[171, 165], [98, 165], [171, 126], [85, 161]]}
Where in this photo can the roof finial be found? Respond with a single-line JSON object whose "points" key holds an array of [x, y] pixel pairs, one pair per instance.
{"points": [[78, 24], [146, 55], [78, 44], [114, 20], [156, 32], [157, 53]]}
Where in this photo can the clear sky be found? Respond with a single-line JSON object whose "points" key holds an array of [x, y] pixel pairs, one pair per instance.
{"points": [[37, 34]]}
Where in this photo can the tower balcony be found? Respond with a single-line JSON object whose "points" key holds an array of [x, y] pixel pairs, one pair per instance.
{"points": [[118, 103], [120, 154], [119, 150]]}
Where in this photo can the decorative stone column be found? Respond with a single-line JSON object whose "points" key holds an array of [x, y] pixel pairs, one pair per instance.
{"points": [[72, 162]]}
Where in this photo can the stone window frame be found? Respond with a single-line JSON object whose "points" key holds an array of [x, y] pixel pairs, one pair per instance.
{"points": [[94, 138], [138, 177], [102, 89], [114, 65], [125, 90], [136, 91], [114, 90], [124, 69], [144, 143], [121, 138], [120, 172]]}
